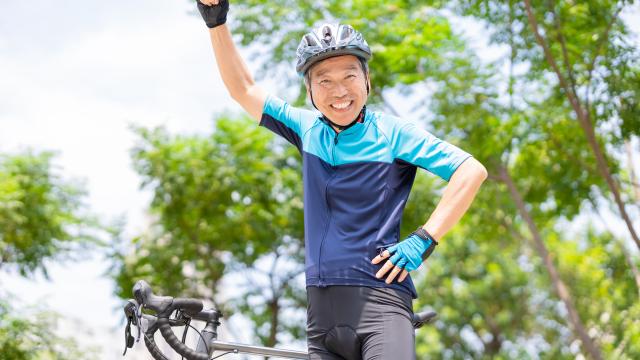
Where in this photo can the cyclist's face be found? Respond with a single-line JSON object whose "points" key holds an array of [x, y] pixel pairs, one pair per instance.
{"points": [[339, 88]]}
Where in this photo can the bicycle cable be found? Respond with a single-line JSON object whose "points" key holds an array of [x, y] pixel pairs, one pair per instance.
{"points": [[206, 347], [184, 334], [235, 351]]}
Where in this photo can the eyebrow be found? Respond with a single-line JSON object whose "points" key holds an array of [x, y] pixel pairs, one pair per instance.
{"points": [[350, 67]]}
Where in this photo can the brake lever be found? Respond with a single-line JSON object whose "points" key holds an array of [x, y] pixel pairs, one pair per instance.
{"points": [[128, 339]]}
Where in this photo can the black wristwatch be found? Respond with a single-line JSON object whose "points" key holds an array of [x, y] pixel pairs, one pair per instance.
{"points": [[424, 235]]}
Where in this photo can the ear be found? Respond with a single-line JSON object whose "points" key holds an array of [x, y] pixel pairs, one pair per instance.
{"points": [[368, 84], [307, 85]]}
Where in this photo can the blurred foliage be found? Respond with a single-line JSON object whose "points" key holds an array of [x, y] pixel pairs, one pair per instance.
{"points": [[486, 281], [590, 43], [222, 203], [42, 216], [42, 220], [409, 39], [33, 336]]}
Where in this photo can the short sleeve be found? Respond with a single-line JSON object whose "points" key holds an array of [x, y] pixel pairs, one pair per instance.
{"points": [[415, 145], [285, 120]]}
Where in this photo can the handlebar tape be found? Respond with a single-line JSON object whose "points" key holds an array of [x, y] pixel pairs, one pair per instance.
{"points": [[179, 347], [190, 306], [153, 348]]}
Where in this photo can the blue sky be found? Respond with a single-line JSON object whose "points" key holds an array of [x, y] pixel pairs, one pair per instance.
{"points": [[74, 75]]}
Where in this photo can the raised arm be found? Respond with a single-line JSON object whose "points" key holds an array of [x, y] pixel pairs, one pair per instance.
{"points": [[233, 70]]}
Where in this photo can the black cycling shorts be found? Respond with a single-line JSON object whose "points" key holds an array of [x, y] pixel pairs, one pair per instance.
{"points": [[355, 322]]}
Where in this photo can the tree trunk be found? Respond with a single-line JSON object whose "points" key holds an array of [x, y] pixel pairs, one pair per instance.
{"points": [[494, 346], [274, 306], [559, 286], [585, 122]]}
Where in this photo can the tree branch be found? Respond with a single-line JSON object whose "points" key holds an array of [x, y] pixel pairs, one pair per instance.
{"points": [[559, 286], [633, 183], [563, 45], [551, 60], [584, 119], [601, 41]]}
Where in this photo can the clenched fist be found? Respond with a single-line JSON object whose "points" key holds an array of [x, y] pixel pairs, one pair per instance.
{"points": [[214, 12]]}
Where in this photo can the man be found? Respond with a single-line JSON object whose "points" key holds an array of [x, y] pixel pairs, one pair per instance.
{"points": [[358, 169]]}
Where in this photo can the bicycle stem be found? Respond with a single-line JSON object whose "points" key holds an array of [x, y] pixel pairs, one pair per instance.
{"points": [[210, 331]]}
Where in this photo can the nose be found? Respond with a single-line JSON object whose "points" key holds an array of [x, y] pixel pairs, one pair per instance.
{"points": [[340, 90]]}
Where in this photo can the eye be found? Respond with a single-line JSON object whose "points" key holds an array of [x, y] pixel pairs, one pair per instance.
{"points": [[324, 82], [350, 76]]}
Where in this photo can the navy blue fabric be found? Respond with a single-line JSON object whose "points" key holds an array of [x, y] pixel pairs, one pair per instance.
{"points": [[356, 184]]}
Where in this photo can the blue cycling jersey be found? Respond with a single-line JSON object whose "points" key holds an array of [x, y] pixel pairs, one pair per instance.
{"points": [[356, 184]]}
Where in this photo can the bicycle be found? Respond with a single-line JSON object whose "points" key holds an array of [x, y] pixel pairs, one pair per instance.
{"points": [[187, 309]]}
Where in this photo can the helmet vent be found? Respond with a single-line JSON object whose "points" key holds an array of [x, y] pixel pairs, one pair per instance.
{"points": [[327, 41], [326, 34], [311, 41], [345, 32]]}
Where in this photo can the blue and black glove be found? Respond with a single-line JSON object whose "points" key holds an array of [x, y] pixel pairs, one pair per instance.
{"points": [[412, 251], [214, 15]]}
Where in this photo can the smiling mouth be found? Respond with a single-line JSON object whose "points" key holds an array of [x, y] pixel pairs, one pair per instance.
{"points": [[343, 106]]}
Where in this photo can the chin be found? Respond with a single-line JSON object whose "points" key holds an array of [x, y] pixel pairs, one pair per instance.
{"points": [[342, 119]]}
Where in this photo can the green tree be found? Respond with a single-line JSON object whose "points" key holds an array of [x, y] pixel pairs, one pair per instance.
{"points": [[42, 219], [522, 126], [528, 142], [587, 49], [31, 335], [42, 216], [224, 203]]}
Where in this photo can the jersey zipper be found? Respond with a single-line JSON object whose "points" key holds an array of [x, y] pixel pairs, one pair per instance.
{"points": [[326, 230], [326, 197], [335, 145], [333, 148]]}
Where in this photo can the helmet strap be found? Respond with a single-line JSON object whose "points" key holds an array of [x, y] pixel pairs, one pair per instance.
{"points": [[359, 118]]}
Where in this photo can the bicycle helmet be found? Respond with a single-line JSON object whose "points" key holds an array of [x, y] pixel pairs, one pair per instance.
{"points": [[330, 40]]}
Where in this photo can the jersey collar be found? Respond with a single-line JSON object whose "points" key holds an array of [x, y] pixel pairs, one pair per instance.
{"points": [[358, 120]]}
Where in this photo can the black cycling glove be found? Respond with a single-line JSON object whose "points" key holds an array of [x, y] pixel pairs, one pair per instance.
{"points": [[214, 15]]}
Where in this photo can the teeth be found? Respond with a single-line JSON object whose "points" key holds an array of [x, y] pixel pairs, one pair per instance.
{"points": [[342, 105]]}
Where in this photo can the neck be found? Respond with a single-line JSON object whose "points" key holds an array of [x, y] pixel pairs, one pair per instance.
{"points": [[339, 128]]}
